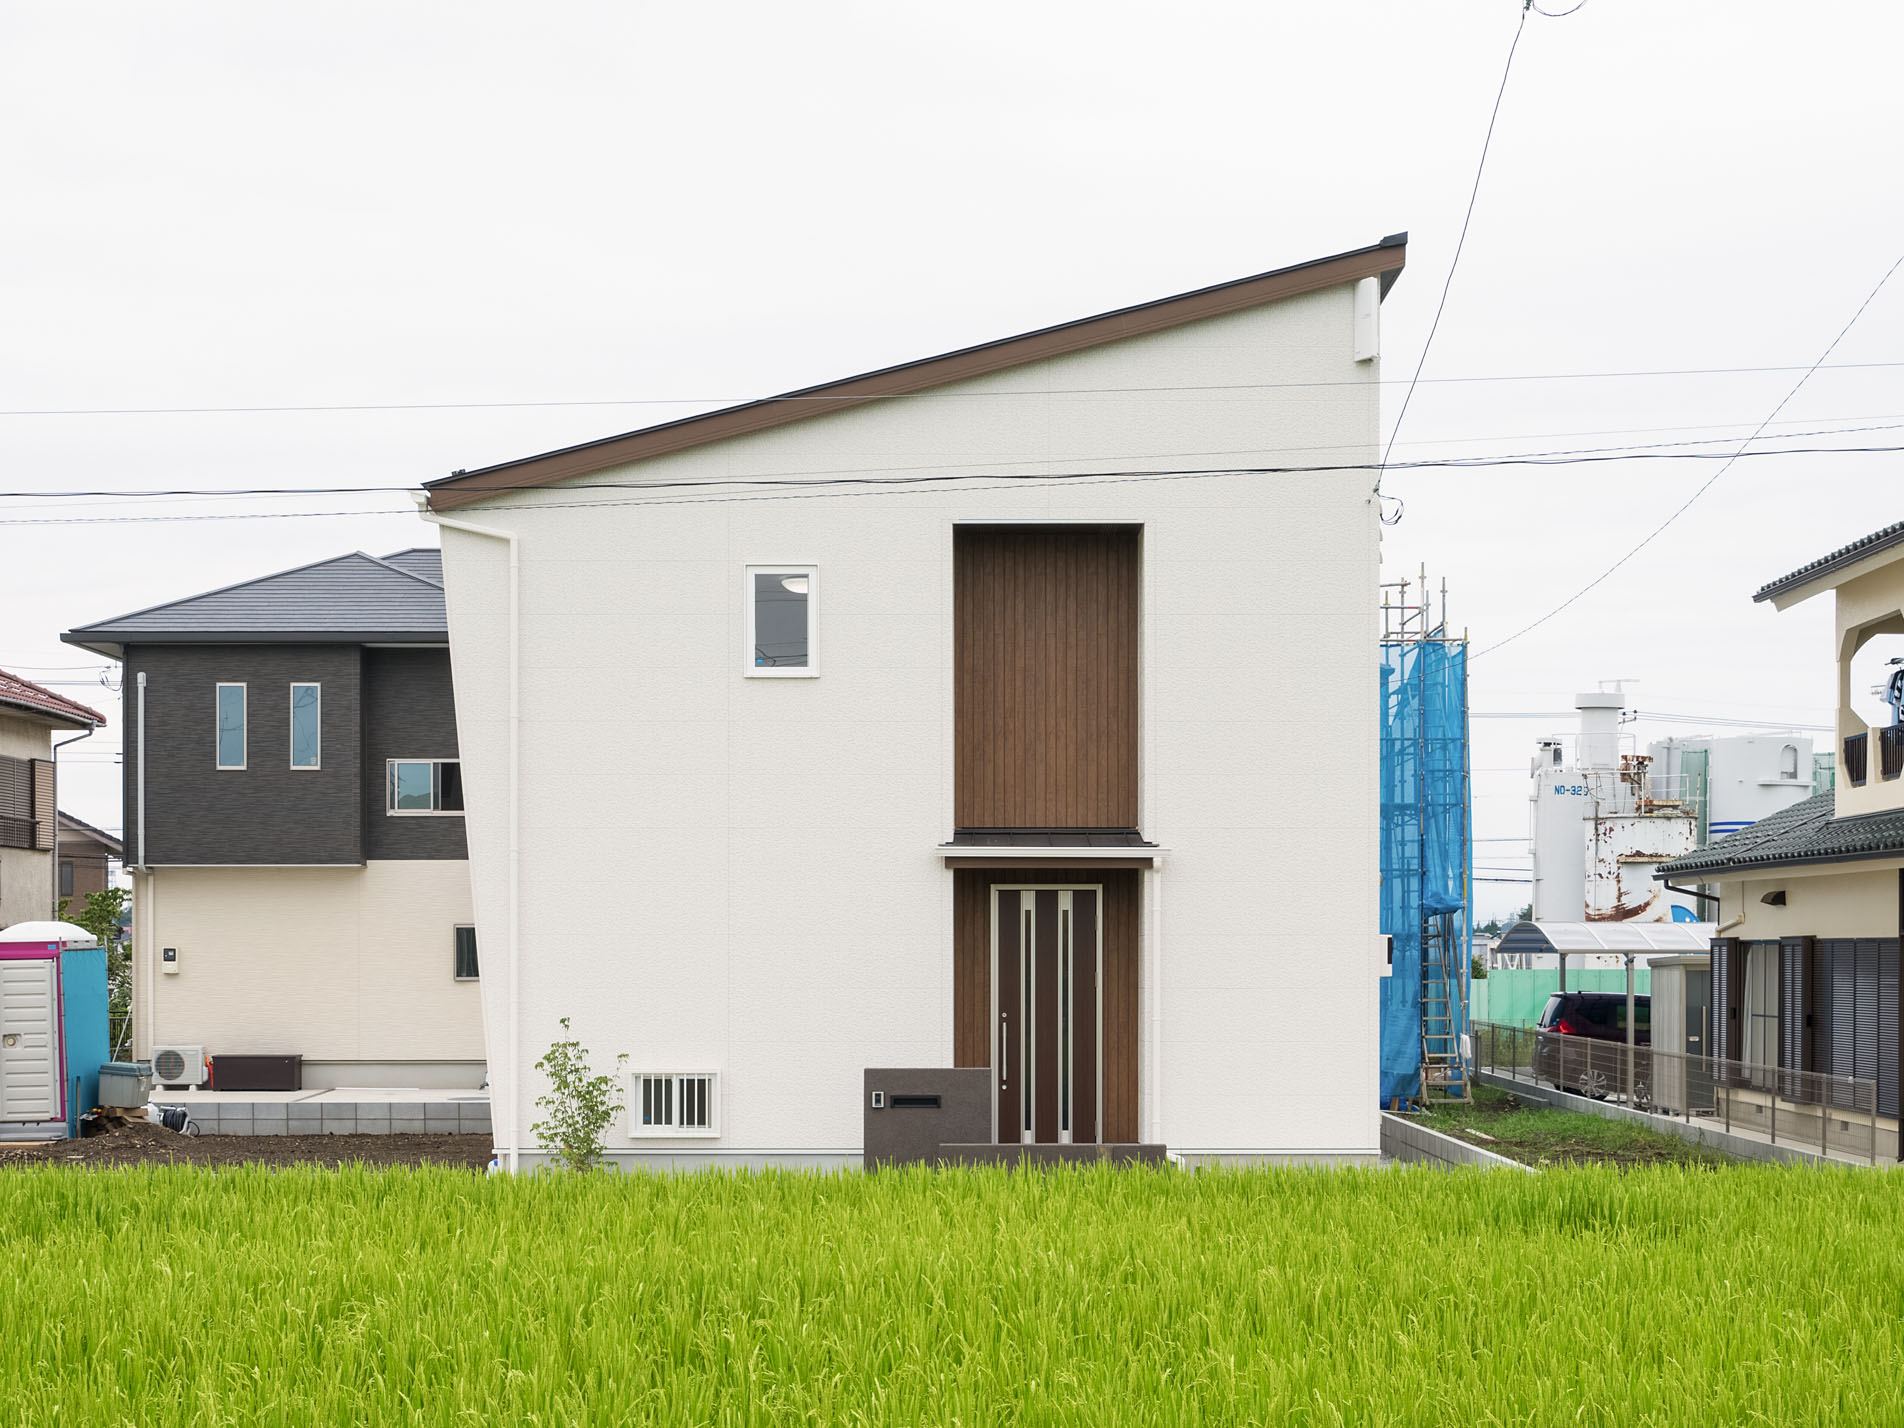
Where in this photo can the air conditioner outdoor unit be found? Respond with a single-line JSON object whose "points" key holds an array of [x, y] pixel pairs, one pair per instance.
{"points": [[180, 1066]]}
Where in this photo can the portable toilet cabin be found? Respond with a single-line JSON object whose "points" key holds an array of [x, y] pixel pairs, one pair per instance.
{"points": [[53, 1036]]}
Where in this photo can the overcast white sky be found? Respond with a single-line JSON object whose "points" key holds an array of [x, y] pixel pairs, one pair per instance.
{"points": [[243, 205]]}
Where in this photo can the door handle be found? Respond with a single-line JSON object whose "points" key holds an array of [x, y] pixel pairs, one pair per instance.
{"points": [[1004, 1045]]}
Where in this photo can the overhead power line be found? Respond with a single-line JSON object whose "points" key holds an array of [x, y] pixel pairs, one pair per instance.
{"points": [[1708, 483], [877, 485], [53, 499], [1461, 242], [883, 476]]}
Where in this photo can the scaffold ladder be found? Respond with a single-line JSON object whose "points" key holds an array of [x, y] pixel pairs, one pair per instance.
{"points": [[1444, 1011]]}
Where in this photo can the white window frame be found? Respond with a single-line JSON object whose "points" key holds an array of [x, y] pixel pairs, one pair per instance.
{"points": [[291, 725], [638, 1131], [456, 976], [389, 812], [811, 670], [244, 726]]}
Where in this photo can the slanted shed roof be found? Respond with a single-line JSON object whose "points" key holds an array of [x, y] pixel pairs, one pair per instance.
{"points": [[19, 695], [1382, 260], [1619, 937], [1801, 834], [348, 599], [1860, 549]]}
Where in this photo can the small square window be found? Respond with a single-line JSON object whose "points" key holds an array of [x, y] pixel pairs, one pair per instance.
{"points": [[231, 726], [466, 966], [675, 1103], [781, 603], [424, 786]]}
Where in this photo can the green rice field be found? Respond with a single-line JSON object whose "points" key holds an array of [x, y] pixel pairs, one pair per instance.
{"points": [[1582, 1296]]}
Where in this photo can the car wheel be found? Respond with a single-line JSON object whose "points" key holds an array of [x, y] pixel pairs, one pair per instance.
{"points": [[1594, 1084]]}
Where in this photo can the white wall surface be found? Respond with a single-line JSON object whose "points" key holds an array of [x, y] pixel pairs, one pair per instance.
{"points": [[779, 912], [336, 964], [1826, 900]]}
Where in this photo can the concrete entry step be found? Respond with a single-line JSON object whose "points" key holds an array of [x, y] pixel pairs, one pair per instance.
{"points": [[984, 1153]]}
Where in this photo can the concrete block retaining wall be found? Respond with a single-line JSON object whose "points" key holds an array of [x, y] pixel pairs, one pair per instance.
{"points": [[1698, 1132], [337, 1117], [1412, 1143]]}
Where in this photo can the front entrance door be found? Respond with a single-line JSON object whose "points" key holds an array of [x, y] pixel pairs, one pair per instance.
{"points": [[1047, 1013]]}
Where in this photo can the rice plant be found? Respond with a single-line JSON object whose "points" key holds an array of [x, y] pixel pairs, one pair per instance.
{"points": [[173, 1296]]}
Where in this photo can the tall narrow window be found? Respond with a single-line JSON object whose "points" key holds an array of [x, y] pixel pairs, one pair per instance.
{"points": [[780, 605], [1761, 1004], [66, 877], [466, 954], [231, 726], [305, 700]]}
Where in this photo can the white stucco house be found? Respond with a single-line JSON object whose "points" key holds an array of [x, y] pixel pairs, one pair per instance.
{"points": [[1009, 714]]}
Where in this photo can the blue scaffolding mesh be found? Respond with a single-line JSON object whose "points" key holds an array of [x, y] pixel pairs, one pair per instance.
{"points": [[1426, 866]]}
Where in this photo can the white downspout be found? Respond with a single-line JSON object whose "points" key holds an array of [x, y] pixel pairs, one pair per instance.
{"points": [[513, 1151], [145, 863], [144, 908], [1157, 1000], [60, 744]]}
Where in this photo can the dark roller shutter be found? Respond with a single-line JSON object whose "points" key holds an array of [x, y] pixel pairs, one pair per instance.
{"points": [[1792, 1032], [1844, 1007], [1865, 993], [1887, 1025], [1725, 1008], [1818, 1002]]}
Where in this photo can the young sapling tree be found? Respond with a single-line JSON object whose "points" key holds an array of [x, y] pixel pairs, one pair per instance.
{"points": [[579, 1105]]}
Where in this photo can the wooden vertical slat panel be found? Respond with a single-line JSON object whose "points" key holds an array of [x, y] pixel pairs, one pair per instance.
{"points": [[1045, 670], [1120, 1006], [972, 1031]]}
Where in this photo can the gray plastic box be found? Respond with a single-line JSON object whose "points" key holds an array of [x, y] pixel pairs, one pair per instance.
{"points": [[125, 1084]]}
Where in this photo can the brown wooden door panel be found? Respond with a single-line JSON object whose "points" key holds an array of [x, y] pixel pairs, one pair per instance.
{"points": [[1085, 1017], [1045, 1021], [1045, 676], [976, 1037], [1009, 1040]]}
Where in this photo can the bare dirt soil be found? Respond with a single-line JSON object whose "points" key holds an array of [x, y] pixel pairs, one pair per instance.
{"points": [[144, 1143]]}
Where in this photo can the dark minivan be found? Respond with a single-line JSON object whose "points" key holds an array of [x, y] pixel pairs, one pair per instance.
{"points": [[1595, 1064]]}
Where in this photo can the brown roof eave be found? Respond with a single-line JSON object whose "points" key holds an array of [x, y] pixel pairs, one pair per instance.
{"points": [[1384, 260]]}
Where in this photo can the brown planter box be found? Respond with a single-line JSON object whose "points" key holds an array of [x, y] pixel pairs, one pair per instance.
{"points": [[257, 1073]]}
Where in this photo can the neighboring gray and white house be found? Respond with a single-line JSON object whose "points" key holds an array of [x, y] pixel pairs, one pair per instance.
{"points": [[34, 721], [998, 711], [294, 827]]}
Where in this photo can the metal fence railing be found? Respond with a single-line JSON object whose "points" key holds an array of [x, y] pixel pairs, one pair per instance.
{"points": [[1831, 1114]]}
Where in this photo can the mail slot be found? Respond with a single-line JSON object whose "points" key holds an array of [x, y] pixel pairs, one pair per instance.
{"points": [[908, 1112]]}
